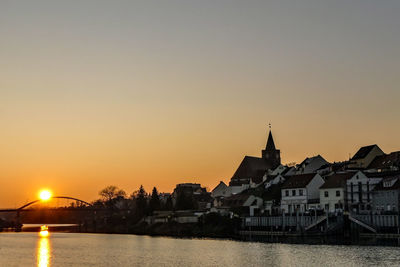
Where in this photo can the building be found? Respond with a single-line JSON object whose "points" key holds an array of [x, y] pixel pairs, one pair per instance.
{"points": [[359, 187], [244, 204], [191, 196], [252, 169], [386, 195], [311, 165], [364, 156], [332, 194], [300, 191], [220, 192], [384, 163]]}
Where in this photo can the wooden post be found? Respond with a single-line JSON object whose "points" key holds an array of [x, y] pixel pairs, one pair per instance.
{"points": [[327, 220]]}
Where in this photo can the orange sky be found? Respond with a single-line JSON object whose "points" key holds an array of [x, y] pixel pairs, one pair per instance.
{"points": [[127, 94]]}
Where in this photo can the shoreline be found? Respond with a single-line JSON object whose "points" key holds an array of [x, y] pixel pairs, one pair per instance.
{"points": [[363, 239]]}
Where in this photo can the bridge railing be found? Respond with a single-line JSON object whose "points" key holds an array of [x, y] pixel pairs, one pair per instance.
{"points": [[279, 221], [378, 220]]}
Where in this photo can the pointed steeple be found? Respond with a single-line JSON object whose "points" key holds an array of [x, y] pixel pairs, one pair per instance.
{"points": [[270, 153], [270, 143]]}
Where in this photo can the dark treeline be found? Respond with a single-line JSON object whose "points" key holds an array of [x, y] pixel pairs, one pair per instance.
{"points": [[118, 212], [127, 214]]}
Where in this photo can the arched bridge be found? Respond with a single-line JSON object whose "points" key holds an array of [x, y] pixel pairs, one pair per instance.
{"points": [[22, 208], [62, 197]]}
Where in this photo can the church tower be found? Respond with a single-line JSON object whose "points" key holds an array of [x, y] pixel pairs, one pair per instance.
{"points": [[270, 153]]}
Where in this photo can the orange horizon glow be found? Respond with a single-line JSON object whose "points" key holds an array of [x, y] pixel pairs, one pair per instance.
{"points": [[138, 93]]}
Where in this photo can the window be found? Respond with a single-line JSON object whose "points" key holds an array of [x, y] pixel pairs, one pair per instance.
{"points": [[300, 192], [293, 192], [338, 193], [326, 193], [287, 193], [327, 207]]}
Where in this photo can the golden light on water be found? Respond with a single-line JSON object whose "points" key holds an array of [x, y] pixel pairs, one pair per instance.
{"points": [[45, 195], [43, 252], [44, 233]]}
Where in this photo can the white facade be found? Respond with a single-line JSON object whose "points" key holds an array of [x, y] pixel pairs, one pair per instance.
{"points": [[332, 199], [300, 198], [359, 192]]}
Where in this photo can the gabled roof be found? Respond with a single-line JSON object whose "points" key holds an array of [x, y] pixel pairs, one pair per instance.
{"points": [[250, 167], [381, 174], [363, 152], [385, 161], [328, 165], [298, 181], [337, 180], [220, 185], [236, 200], [288, 169], [309, 160], [381, 187]]}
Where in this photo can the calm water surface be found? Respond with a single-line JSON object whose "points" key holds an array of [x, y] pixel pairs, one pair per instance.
{"points": [[68, 249]]}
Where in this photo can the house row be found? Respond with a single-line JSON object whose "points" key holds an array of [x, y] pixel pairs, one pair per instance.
{"points": [[355, 191], [368, 182]]}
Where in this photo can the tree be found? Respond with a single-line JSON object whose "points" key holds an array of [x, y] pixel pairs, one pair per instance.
{"points": [[141, 202], [154, 200], [169, 204], [111, 192]]}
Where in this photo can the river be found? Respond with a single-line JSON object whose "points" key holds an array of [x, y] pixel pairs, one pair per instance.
{"points": [[76, 249]]}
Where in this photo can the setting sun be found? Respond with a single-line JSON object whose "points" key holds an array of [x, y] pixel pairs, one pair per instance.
{"points": [[45, 195]]}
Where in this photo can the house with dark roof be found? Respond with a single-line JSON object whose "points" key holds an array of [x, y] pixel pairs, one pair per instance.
{"points": [[332, 194], [386, 195], [364, 156], [311, 165], [359, 191], [243, 203], [383, 163], [300, 192], [252, 169]]}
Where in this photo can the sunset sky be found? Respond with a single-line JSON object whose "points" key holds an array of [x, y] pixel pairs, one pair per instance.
{"points": [[94, 93]]}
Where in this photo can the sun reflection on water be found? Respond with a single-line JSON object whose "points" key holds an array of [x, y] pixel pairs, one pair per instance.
{"points": [[43, 252]]}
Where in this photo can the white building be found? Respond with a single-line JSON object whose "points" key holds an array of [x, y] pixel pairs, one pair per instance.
{"points": [[359, 195], [300, 191], [332, 194]]}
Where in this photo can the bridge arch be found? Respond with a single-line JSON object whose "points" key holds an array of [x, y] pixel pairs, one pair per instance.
{"points": [[62, 197]]}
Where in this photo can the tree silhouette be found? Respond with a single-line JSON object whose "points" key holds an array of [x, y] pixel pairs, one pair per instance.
{"points": [[154, 200], [141, 202], [111, 192]]}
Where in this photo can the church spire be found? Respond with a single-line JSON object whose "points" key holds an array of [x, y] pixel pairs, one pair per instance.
{"points": [[270, 153], [270, 143]]}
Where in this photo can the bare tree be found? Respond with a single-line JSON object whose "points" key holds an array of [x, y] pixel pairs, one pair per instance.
{"points": [[111, 192]]}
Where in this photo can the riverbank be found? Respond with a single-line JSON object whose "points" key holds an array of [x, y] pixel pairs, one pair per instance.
{"points": [[194, 231]]}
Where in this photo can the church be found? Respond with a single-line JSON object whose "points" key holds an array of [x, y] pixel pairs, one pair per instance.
{"points": [[252, 169]]}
